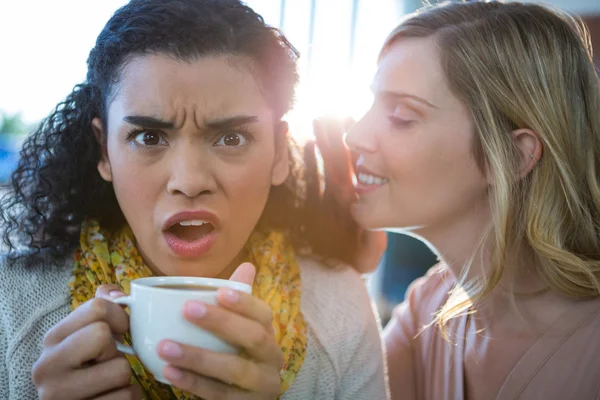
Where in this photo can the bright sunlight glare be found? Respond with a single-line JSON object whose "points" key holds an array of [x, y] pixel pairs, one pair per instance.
{"points": [[44, 52]]}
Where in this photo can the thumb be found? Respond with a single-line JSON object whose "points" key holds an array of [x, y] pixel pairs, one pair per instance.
{"points": [[245, 273]]}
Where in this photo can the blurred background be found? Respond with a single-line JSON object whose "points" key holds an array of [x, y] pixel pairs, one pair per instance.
{"points": [[44, 46]]}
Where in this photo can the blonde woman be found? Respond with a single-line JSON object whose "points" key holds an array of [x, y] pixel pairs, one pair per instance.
{"points": [[484, 141]]}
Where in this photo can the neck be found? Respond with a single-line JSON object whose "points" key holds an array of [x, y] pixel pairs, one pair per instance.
{"points": [[522, 300], [469, 241], [459, 241]]}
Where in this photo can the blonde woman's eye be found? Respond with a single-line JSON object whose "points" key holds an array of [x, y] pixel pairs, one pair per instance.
{"points": [[149, 139], [400, 123], [232, 140]]}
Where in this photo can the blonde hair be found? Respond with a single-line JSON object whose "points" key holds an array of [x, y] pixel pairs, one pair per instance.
{"points": [[525, 66]]}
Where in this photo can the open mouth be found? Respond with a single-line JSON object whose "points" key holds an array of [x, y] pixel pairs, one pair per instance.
{"points": [[192, 230]]}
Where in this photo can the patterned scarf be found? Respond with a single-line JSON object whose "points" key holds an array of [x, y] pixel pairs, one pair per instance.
{"points": [[103, 258]]}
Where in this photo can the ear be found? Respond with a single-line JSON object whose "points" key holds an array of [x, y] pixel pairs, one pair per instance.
{"points": [[281, 166], [103, 163], [530, 149]]}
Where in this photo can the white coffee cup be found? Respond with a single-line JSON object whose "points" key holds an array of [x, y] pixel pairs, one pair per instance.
{"points": [[156, 313]]}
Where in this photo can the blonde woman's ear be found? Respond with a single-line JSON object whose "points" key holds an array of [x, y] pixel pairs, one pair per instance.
{"points": [[530, 149]]}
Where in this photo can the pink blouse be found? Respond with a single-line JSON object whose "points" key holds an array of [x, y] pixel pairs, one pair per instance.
{"points": [[561, 362]]}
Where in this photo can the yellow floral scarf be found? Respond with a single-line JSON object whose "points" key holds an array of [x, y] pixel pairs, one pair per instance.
{"points": [[113, 259]]}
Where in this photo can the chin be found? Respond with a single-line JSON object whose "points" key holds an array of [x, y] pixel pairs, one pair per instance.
{"points": [[366, 219]]}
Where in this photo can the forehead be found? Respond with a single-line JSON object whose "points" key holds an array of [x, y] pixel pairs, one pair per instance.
{"points": [[210, 86], [412, 66]]}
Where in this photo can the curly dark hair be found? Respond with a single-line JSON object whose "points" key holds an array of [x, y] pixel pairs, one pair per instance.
{"points": [[56, 184]]}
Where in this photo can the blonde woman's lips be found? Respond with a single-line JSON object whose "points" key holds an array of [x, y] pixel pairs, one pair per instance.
{"points": [[367, 181]]}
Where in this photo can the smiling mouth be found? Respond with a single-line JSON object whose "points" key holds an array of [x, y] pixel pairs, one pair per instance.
{"points": [[191, 231], [371, 180]]}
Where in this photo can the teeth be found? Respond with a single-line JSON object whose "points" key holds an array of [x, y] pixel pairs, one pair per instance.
{"points": [[194, 222], [367, 179]]}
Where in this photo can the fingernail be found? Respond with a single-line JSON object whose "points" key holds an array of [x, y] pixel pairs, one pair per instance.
{"points": [[172, 374], [196, 309], [170, 350], [116, 293], [231, 295]]}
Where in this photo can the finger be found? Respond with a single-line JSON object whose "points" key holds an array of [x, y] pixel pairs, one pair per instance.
{"points": [[247, 306], [320, 136], [90, 382], [235, 329], [210, 389], [323, 137], [322, 140], [109, 292], [348, 123], [92, 311], [373, 245], [337, 160], [98, 379], [133, 392], [333, 129], [92, 343], [245, 273], [376, 240], [230, 368]]}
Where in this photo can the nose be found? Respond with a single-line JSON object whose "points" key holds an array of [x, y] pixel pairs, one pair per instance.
{"points": [[191, 172], [360, 138]]}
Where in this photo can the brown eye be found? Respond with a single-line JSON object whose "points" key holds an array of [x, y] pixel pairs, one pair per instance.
{"points": [[149, 139], [232, 140]]}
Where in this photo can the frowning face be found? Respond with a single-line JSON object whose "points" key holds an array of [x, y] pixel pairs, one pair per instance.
{"points": [[192, 150]]}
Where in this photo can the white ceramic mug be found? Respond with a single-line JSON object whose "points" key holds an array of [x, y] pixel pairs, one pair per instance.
{"points": [[157, 313]]}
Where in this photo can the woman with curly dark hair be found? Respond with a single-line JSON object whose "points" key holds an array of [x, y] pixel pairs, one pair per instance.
{"points": [[172, 158]]}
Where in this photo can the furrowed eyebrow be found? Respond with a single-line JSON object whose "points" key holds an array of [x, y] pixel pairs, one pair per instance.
{"points": [[230, 122], [217, 124], [148, 122]]}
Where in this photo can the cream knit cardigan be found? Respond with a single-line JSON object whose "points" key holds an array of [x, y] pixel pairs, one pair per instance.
{"points": [[344, 357]]}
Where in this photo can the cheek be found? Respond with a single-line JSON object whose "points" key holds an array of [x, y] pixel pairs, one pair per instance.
{"points": [[435, 170], [410, 158], [132, 188], [247, 187], [136, 186]]}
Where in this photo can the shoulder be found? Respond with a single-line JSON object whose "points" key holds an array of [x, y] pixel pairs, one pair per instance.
{"points": [[344, 357], [33, 298], [30, 292], [425, 296], [345, 351], [23, 275], [405, 336], [334, 298]]}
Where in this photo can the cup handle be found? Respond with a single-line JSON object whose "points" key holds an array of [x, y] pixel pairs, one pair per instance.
{"points": [[127, 301]]}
